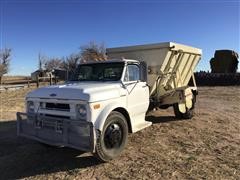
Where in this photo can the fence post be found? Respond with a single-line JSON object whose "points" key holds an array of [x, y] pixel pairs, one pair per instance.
{"points": [[37, 81], [55, 79], [50, 79], [66, 75]]}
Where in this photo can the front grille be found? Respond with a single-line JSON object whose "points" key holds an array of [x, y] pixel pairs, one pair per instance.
{"points": [[57, 116], [57, 106]]}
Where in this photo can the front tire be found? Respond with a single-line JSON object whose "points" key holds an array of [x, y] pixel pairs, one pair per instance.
{"points": [[113, 137]]}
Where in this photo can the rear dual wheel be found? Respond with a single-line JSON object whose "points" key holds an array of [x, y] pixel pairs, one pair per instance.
{"points": [[189, 112], [113, 137]]}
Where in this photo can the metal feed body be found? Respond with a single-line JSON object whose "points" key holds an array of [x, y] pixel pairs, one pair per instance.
{"points": [[170, 65]]}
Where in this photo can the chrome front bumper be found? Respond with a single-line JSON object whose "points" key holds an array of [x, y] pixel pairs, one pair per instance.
{"points": [[56, 131]]}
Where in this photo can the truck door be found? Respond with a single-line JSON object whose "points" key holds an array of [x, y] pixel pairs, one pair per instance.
{"points": [[137, 91]]}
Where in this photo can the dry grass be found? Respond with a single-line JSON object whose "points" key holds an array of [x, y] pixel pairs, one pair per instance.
{"points": [[11, 102], [206, 147]]}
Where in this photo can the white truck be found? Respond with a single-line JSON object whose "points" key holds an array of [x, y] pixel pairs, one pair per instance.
{"points": [[104, 101]]}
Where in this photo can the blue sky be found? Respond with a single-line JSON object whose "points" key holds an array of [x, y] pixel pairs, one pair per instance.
{"points": [[58, 28]]}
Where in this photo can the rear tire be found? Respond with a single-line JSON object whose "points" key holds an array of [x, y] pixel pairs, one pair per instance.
{"points": [[47, 145], [113, 137], [189, 112]]}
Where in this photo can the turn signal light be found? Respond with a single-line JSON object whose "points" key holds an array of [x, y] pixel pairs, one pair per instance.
{"points": [[96, 106]]}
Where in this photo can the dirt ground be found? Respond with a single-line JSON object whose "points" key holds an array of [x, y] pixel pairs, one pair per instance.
{"points": [[205, 147]]}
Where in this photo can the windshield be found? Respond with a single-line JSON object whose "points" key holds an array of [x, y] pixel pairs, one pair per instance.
{"points": [[99, 72]]}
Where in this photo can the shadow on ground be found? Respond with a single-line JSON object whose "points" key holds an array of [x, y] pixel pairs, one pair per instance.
{"points": [[161, 119], [21, 158]]}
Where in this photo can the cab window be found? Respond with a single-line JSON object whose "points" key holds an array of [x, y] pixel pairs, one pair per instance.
{"points": [[132, 73]]}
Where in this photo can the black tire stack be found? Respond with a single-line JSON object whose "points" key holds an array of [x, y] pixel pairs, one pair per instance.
{"points": [[216, 79]]}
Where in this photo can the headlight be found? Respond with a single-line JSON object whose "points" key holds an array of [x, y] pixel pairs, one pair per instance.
{"points": [[81, 111], [30, 106]]}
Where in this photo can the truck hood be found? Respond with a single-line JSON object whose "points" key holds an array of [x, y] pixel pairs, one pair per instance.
{"points": [[86, 91]]}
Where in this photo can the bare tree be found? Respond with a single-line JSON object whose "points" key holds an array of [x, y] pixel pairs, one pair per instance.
{"points": [[54, 63], [93, 51], [41, 61], [5, 57], [71, 62]]}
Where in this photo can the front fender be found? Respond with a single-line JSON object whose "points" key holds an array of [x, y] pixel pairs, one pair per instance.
{"points": [[99, 123]]}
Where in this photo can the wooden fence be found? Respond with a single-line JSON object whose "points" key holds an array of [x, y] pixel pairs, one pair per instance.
{"points": [[14, 84]]}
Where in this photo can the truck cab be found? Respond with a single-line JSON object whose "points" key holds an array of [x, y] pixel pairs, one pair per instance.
{"points": [[94, 111]]}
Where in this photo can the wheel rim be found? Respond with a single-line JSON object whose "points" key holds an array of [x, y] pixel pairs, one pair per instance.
{"points": [[113, 136]]}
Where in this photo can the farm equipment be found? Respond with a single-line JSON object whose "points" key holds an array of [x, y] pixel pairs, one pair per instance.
{"points": [[104, 101], [224, 61]]}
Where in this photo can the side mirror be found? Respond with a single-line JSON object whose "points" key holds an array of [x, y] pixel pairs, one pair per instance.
{"points": [[143, 71]]}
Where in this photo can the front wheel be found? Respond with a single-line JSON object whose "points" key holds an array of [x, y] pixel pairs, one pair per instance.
{"points": [[113, 137]]}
